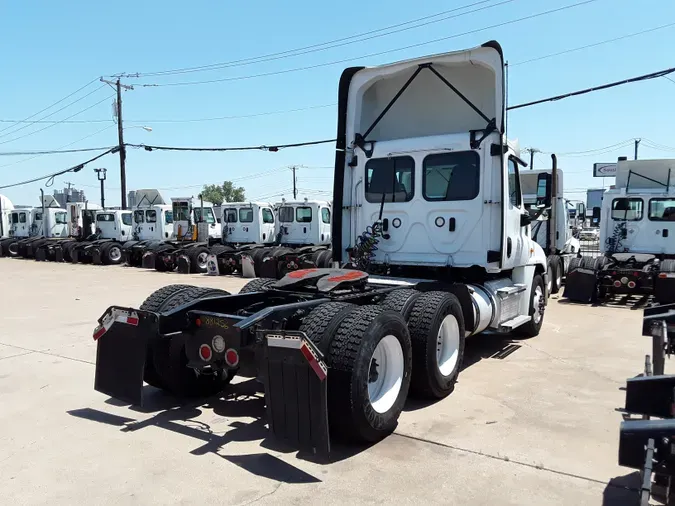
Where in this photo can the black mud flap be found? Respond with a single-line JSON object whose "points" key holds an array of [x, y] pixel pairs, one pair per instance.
{"points": [[183, 264], [96, 256], [581, 285], [269, 268], [41, 254], [75, 256], [122, 338], [634, 436], [58, 254], [295, 378], [149, 259]]}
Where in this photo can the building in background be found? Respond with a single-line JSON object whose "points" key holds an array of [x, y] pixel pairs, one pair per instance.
{"points": [[69, 195], [131, 199]]}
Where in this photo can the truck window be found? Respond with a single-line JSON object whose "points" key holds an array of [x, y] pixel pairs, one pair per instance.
{"points": [[15, 217], [246, 215], [168, 217], [286, 214], [209, 217], [105, 217], [126, 218], [181, 211], [515, 196], [61, 218], [392, 177], [325, 215], [138, 216], [38, 216], [451, 176], [627, 209], [151, 216], [662, 209], [267, 215], [22, 217], [231, 215], [303, 214]]}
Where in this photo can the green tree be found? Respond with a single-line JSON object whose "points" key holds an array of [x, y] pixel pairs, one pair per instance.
{"points": [[226, 192]]}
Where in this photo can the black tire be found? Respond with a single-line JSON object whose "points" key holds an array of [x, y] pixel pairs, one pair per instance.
{"points": [[428, 313], [113, 254], [322, 322], [532, 328], [156, 299], [194, 255], [575, 263], [352, 416], [325, 259], [169, 361], [257, 285], [13, 249], [402, 301], [258, 257], [315, 256], [217, 249], [159, 265], [557, 269]]}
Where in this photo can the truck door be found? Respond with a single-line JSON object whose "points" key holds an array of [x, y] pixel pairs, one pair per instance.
{"points": [[58, 224], [325, 226], [126, 226], [662, 224], [513, 211], [139, 225], [626, 224], [268, 225], [153, 231]]}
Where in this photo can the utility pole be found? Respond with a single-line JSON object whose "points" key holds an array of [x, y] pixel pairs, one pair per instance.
{"points": [[637, 143], [532, 152], [101, 177], [120, 137], [295, 189]]}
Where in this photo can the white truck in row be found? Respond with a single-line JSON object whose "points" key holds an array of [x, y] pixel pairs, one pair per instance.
{"points": [[433, 235]]}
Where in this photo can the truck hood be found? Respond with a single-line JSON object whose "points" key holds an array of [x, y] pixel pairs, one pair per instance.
{"points": [[428, 105]]}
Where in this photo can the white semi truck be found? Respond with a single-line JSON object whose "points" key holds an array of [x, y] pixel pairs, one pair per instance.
{"points": [[547, 206], [637, 237], [429, 217]]}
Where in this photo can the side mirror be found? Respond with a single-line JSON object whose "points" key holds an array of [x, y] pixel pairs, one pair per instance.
{"points": [[544, 189], [581, 210], [525, 219]]}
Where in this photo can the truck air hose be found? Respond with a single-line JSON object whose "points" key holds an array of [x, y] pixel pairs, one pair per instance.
{"points": [[364, 250], [613, 244]]}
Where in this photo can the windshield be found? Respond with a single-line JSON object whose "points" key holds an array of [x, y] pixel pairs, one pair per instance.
{"points": [[61, 218], [662, 209], [391, 177], [105, 217], [286, 214], [139, 216], [181, 211], [267, 215], [209, 217], [231, 215], [126, 218], [151, 216]]}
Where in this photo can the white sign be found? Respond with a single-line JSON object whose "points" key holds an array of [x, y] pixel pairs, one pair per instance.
{"points": [[604, 169], [212, 265]]}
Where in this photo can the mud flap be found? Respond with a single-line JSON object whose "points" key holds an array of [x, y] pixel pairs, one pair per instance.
{"points": [[41, 254], [634, 436], [581, 285], [183, 264], [148, 261], [295, 378], [58, 254], [96, 257], [122, 344], [75, 255]]}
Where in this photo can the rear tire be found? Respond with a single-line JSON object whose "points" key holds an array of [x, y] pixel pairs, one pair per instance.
{"points": [[556, 282], [322, 322], [257, 285], [537, 305], [198, 258], [437, 331], [370, 360], [402, 301]]}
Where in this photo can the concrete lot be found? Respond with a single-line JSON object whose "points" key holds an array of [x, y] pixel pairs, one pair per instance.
{"points": [[530, 423]]}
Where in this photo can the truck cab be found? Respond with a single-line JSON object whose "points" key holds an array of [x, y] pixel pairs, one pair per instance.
{"points": [[114, 224], [21, 221], [81, 218], [304, 222], [153, 223], [187, 213], [248, 223], [49, 222]]}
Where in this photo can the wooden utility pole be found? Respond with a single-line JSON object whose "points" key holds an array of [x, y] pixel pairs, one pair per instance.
{"points": [[532, 152], [637, 143], [295, 189], [120, 138]]}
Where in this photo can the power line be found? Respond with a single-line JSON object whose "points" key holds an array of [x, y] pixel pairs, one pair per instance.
{"points": [[50, 177], [78, 121], [53, 125], [51, 114], [55, 103], [273, 148], [329, 44], [58, 151], [587, 46], [644, 77], [379, 53]]}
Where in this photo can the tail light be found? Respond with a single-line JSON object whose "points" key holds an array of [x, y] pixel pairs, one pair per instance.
{"points": [[617, 284], [205, 352], [232, 357], [631, 284]]}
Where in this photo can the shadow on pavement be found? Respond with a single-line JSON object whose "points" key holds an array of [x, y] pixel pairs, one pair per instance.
{"points": [[622, 491]]}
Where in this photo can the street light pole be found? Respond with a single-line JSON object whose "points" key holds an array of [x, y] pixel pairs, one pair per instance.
{"points": [[101, 177]]}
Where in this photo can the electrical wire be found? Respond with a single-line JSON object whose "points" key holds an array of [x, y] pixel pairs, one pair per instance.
{"points": [[55, 103], [53, 125], [326, 45], [379, 53], [272, 148], [78, 121], [50, 177]]}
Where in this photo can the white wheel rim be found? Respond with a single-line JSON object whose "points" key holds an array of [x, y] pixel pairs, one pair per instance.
{"points": [[537, 304], [549, 283], [385, 374], [558, 278], [115, 254], [447, 345], [201, 259]]}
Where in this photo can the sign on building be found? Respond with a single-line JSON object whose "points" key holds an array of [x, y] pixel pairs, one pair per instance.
{"points": [[604, 169]]}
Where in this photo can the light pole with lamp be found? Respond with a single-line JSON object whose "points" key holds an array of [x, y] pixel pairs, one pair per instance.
{"points": [[101, 177]]}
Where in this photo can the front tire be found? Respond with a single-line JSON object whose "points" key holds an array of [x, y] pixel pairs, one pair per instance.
{"points": [[537, 306], [437, 331]]}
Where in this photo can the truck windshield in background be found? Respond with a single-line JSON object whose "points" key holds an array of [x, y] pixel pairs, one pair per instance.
{"points": [[181, 211]]}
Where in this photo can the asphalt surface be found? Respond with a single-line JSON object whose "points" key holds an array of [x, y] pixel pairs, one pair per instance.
{"points": [[531, 422]]}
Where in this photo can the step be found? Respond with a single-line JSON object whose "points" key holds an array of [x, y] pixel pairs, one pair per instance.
{"points": [[514, 322]]}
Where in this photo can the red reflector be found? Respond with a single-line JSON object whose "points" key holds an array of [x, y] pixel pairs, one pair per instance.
{"points": [[205, 352], [663, 275], [636, 274], [232, 357], [131, 320], [98, 332], [198, 322], [613, 273], [313, 362]]}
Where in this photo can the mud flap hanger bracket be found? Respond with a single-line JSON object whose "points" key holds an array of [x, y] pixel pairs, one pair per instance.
{"points": [[360, 140]]}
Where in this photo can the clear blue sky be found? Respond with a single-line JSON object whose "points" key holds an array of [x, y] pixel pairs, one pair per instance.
{"points": [[51, 49]]}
